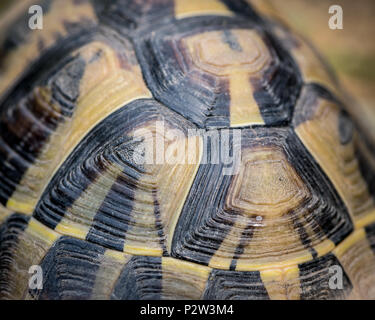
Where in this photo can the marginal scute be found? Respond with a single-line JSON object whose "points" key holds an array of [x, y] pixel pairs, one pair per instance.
{"points": [[54, 112], [62, 19], [233, 227], [318, 120]]}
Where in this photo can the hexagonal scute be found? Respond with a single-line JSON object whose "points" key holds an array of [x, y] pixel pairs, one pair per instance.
{"points": [[220, 71], [278, 186], [108, 193]]}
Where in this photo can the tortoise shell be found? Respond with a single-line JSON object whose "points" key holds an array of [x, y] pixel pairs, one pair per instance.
{"points": [[103, 226]]}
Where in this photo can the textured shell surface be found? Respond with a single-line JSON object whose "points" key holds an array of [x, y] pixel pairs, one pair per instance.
{"points": [[75, 200]]}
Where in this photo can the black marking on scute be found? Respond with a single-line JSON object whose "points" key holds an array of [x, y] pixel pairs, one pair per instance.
{"points": [[66, 85], [317, 275], [10, 230], [69, 270], [114, 216], [304, 236], [346, 128], [141, 279], [278, 90], [370, 233], [307, 103], [332, 216], [235, 285], [246, 237], [159, 225], [243, 8], [201, 227], [230, 39], [107, 230], [19, 32], [131, 16]]}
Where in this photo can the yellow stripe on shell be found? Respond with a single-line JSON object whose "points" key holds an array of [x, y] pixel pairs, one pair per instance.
{"points": [[78, 218], [282, 284], [192, 8]]}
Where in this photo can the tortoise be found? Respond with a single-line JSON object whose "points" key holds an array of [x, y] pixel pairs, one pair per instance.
{"points": [[79, 203]]}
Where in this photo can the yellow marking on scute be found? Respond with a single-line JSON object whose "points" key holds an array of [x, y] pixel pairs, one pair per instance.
{"points": [[244, 110], [78, 218], [325, 247], [117, 255], [189, 179], [292, 261], [42, 232], [31, 248], [366, 220], [282, 284], [75, 230], [141, 251], [111, 266], [104, 75], [4, 213], [191, 8], [142, 231], [211, 53], [355, 237], [266, 184], [181, 266], [22, 207], [54, 24]]}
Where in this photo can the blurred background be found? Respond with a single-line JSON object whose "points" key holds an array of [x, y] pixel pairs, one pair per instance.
{"points": [[350, 51]]}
